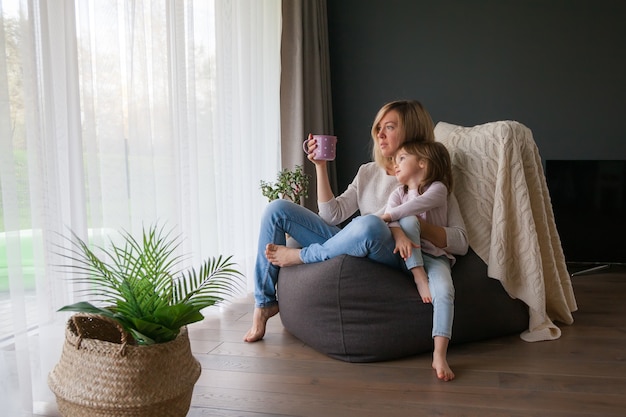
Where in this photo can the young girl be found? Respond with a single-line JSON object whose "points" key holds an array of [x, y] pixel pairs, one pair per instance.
{"points": [[425, 170]]}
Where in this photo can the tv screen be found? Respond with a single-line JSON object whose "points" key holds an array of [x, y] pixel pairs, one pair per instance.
{"points": [[589, 203]]}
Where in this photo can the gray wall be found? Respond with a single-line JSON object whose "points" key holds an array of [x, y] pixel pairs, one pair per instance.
{"points": [[557, 66]]}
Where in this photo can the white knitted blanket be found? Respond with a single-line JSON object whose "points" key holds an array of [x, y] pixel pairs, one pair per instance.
{"points": [[504, 199]]}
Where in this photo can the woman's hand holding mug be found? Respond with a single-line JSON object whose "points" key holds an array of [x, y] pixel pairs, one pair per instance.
{"points": [[320, 148]]}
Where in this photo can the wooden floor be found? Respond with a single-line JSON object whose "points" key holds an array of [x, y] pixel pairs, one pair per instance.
{"points": [[581, 374]]}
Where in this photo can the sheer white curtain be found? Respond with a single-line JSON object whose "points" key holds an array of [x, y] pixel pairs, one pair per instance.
{"points": [[116, 114]]}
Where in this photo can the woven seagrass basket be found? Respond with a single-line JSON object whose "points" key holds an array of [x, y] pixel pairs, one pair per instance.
{"points": [[103, 373]]}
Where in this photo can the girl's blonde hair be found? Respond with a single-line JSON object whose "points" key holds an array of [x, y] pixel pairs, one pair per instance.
{"points": [[415, 124], [438, 163]]}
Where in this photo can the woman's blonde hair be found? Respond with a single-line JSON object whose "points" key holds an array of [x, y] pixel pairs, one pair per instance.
{"points": [[415, 124], [438, 163]]}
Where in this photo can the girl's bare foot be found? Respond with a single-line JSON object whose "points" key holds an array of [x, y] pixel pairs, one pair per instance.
{"points": [[280, 255], [440, 365], [440, 362], [259, 320], [421, 280]]}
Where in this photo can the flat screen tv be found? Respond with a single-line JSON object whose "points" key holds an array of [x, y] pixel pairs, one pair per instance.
{"points": [[589, 203]]}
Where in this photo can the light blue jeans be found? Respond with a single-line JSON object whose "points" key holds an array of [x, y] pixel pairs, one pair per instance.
{"points": [[440, 283], [411, 227], [365, 236]]}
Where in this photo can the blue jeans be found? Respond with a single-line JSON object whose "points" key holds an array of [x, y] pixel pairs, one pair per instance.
{"points": [[439, 279], [442, 290], [365, 236]]}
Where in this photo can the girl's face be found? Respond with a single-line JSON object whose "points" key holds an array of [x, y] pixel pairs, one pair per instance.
{"points": [[409, 169], [390, 134]]}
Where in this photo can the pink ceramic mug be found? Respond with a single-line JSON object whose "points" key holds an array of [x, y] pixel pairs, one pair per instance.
{"points": [[326, 147]]}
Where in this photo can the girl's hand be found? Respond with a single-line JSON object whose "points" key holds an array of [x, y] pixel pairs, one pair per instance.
{"points": [[386, 217], [404, 246]]}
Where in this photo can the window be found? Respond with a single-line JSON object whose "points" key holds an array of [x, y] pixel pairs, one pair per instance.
{"points": [[116, 114]]}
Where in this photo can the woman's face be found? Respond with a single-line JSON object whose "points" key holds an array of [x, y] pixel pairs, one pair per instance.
{"points": [[390, 134]]}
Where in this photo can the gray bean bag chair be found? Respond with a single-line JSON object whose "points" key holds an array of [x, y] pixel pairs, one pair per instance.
{"points": [[357, 310]]}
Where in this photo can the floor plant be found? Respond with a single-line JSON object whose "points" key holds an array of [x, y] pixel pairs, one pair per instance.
{"points": [[140, 284]]}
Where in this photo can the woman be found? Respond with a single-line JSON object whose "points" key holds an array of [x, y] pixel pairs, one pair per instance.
{"points": [[366, 235]]}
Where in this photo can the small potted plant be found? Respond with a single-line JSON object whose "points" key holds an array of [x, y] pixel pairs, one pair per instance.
{"points": [[290, 185], [130, 355]]}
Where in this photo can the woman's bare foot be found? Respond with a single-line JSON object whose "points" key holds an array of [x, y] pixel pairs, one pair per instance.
{"points": [[440, 365], [259, 320], [421, 280], [280, 255]]}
